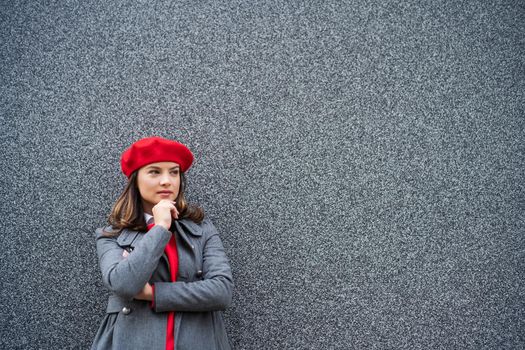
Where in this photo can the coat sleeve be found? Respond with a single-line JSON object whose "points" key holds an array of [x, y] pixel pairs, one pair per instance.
{"points": [[213, 292], [127, 276]]}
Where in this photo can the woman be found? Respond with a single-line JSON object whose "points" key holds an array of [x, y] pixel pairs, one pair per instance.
{"points": [[162, 261]]}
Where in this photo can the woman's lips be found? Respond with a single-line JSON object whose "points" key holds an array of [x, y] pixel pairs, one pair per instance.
{"points": [[165, 193]]}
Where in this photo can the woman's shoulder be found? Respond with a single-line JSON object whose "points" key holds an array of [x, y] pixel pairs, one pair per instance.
{"points": [[107, 231]]}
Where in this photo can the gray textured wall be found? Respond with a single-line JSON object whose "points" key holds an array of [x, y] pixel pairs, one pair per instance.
{"points": [[362, 160]]}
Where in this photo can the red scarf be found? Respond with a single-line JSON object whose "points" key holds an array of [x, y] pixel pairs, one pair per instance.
{"points": [[173, 259]]}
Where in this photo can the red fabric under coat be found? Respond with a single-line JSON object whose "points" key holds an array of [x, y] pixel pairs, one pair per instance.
{"points": [[173, 259]]}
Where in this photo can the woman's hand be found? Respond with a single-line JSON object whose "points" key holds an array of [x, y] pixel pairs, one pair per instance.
{"points": [[164, 212], [146, 293]]}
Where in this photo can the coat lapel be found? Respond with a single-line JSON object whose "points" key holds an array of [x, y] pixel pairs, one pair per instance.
{"points": [[182, 226], [192, 227]]}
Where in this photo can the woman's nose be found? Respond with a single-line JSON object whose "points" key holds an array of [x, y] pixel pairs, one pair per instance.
{"points": [[164, 179]]}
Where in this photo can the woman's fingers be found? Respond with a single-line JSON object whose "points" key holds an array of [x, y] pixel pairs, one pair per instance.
{"points": [[163, 213], [174, 213], [145, 294]]}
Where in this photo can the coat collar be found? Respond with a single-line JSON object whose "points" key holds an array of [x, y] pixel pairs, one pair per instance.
{"points": [[127, 236], [191, 227]]}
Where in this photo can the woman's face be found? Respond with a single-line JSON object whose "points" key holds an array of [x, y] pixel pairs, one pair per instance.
{"points": [[157, 181]]}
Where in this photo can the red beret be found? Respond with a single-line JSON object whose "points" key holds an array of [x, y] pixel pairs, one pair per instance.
{"points": [[155, 149]]}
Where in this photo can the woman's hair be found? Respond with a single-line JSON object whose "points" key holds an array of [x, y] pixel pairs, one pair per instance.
{"points": [[127, 212]]}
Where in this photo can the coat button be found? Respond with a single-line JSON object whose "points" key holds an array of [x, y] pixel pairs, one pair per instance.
{"points": [[126, 310], [199, 273]]}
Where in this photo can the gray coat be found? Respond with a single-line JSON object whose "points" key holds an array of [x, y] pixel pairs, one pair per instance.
{"points": [[202, 290]]}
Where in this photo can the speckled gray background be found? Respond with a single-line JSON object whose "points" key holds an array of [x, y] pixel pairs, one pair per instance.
{"points": [[362, 160]]}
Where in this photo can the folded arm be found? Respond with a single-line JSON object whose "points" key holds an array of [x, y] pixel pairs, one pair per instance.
{"points": [[213, 292], [126, 276]]}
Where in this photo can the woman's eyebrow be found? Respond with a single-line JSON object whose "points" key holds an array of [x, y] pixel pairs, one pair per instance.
{"points": [[156, 167]]}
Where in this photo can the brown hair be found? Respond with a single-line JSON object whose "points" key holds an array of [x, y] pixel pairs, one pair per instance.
{"points": [[127, 212]]}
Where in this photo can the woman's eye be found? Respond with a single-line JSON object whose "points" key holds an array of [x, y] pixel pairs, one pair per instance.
{"points": [[153, 172], [175, 172]]}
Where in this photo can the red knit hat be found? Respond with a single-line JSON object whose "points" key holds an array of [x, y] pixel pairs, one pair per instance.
{"points": [[155, 149]]}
